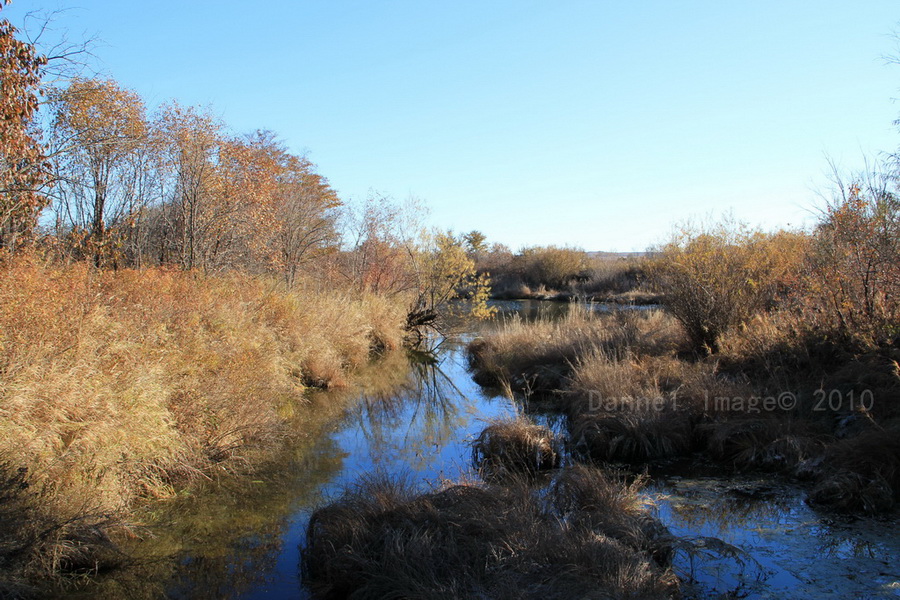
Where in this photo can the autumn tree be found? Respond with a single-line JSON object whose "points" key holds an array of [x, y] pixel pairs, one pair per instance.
{"points": [[306, 211], [247, 173], [379, 237], [444, 271], [22, 162], [190, 140], [97, 130]]}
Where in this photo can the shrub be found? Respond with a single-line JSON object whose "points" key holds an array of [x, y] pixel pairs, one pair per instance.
{"points": [[715, 278], [617, 278], [853, 274], [553, 266]]}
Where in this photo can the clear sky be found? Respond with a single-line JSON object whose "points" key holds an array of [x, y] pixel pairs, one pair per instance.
{"points": [[589, 123]]}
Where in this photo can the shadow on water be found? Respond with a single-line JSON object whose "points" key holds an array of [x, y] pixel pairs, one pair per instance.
{"points": [[416, 414], [788, 549]]}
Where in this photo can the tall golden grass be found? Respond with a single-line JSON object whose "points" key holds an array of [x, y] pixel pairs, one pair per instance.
{"points": [[117, 386], [540, 355]]}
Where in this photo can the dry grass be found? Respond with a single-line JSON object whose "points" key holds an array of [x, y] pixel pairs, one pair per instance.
{"points": [[641, 408], [631, 437], [124, 385], [601, 382], [588, 537], [630, 396], [540, 355], [762, 443], [860, 474], [514, 446]]}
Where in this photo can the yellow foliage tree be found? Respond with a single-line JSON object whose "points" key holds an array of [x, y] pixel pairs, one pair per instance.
{"points": [[854, 267]]}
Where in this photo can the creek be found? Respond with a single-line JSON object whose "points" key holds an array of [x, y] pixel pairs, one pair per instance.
{"points": [[414, 416]]}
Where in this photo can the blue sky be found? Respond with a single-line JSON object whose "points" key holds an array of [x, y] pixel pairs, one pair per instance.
{"points": [[595, 124]]}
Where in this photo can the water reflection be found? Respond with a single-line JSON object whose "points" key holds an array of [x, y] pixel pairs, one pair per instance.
{"points": [[787, 549], [711, 506], [225, 540], [425, 423], [411, 424]]}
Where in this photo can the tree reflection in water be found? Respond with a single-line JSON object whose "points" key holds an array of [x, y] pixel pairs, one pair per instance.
{"points": [[416, 421]]}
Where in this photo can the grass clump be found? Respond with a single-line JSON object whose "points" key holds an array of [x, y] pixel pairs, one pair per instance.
{"points": [[862, 472], [763, 443], [631, 437], [514, 446], [587, 536]]}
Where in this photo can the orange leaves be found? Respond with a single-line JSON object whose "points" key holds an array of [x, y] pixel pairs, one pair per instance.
{"points": [[102, 118], [99, 129], [22, 163], [854, 268], [179, 188]]}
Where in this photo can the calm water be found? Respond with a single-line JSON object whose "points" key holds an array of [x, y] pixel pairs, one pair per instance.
{"points": [[415, 416]]}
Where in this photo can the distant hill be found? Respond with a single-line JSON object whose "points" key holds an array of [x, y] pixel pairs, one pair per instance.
{"points": [[613, 255]]}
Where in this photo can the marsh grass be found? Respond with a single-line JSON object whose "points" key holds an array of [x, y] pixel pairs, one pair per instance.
{"points": [[514, 446], [763, 443], [632, 392], [123, 386], [860, 473], [541, 355], [631, 437], [588, 535]]}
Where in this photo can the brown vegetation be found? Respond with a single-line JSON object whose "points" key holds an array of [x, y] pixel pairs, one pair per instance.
{"points": [[539, 356], [554, 273], [750, 317], [129, 385], [22, 162], [514, 446], [592, 535]]}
